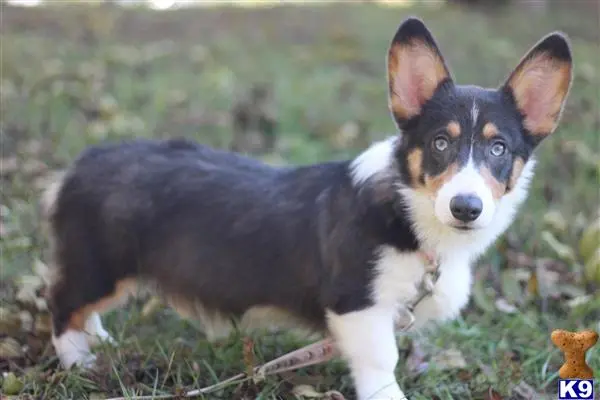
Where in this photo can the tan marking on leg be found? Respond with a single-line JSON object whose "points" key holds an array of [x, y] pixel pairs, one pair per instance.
{"points": [[517, 168], [215, 325], [489, 130], [453, 129], [123, 290], [498, 188], [272, 318]]}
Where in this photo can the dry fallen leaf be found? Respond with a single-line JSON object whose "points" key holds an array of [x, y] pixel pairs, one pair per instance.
{"points": [[524, 391], [483, 296], [555, 221], [107, 107], [8, 165], [547, 280], [32, 147], [571, 291], [27, 294], [579, 301], [10, 322], [26, 320], [592, 267], [306, 391], [41, 305], [532, 285], [43, 325], [505, 307], [448, 359], [11, 385], [563, 251], [333, 395], [519, 259], [346, 135], [590, 240], [4, 231], [511, 287], [416, 362], [522, 275], [97, 130], [491, 394], [33, 166], [10, 348]]}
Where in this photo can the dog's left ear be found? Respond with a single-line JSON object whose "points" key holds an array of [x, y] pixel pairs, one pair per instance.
{"points": [[540, 83], [416, 69]]}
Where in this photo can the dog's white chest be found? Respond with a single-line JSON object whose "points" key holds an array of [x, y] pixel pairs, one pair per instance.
{"points": [[400, 274]]}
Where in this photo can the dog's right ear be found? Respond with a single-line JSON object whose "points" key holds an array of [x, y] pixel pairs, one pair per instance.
{"points": [[416, 69]]}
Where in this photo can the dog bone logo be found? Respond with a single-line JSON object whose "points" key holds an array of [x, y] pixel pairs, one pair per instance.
{"points": [[574, 345]]}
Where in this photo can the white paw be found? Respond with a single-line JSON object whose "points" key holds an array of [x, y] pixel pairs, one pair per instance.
{"points": [[391, 394], [98, 339], [377, 385], [95, 332], [88, 361], [72, 349]]}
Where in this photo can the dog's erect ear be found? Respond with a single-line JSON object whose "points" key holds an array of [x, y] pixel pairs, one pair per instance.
{"points": [[540, 84], [415, 70]]}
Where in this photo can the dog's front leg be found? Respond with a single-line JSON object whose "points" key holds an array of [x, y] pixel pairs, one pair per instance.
{"points": [[366, 340]]}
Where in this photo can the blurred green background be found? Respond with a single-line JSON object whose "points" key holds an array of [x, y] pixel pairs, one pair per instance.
{"points": [[291, 84]]}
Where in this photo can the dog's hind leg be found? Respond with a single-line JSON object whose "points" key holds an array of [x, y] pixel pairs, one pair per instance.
{"points": [[76, 309], [76, 323], [82, 280]]}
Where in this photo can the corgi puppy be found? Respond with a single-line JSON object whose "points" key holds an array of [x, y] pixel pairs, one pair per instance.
{"points": [[333, 246]]}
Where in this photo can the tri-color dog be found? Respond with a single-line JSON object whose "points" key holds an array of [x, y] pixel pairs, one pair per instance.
{"points": [[336, 246]]}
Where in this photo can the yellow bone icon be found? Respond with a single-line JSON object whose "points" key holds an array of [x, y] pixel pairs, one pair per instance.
{"points": [[574, 345]]}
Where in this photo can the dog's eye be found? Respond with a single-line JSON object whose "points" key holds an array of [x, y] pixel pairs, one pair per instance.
{"points": [[498, 149], [440, 143]]}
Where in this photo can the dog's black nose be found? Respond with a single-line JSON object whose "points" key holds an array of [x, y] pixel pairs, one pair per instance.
{"points": [[466, 208]]}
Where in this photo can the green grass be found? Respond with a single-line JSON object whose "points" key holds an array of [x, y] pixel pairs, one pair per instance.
{"points": [[177, 73]]}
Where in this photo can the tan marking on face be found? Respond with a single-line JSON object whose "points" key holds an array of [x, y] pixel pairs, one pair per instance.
{"points": [[123, 289], [453, 129], [489, 130], [517, 168], [498, 188], [414, 72], [415, 162], [434, 183], [540, 86]]}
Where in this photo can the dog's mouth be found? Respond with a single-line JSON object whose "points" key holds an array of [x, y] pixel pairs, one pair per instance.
{"points": [[463, 227]]}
